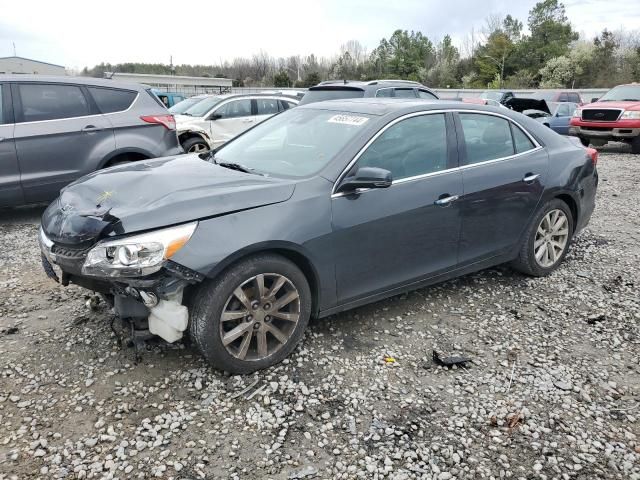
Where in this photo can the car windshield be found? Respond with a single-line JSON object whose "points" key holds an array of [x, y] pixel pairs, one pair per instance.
{"points": [[296, 143], [184, 105], [623, 93], [491, 95], [313, 96], [201, 108]]}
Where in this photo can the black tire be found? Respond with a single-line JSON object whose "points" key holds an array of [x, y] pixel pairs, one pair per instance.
{"points": [[526, 261], [192, 142], [635, 145], [211, 298], [584, 141]]}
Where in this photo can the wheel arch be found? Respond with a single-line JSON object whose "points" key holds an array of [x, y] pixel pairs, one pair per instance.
{"points": [[187, 134], [133, 153], [291, 251], [573, 206]]}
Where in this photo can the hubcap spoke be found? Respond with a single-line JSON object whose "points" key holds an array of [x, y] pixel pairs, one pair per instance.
{"points": [[262, 342], [234, 315], [244, 346], [240, 295], [260, 283], [285, 300], [276, 332], [279, 283], [236, 333], [290, 317]]}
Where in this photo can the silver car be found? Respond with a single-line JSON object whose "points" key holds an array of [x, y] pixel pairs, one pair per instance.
{"points": [[54, 130], [218, 118]]}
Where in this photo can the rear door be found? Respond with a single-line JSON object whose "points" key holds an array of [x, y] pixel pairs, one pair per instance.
{"points": [[264, 108], [10, 190], [230, 119], [59, 135], [504, 173], [559, 122]]}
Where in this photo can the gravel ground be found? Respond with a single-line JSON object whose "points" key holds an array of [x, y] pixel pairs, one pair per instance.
{"points": [[552, 392]]}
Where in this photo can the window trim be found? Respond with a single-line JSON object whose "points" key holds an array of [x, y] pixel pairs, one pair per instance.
{"points": [[460, 167]]}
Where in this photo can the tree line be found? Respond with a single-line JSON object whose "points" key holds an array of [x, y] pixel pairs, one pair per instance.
{"points": [[551, 54]]}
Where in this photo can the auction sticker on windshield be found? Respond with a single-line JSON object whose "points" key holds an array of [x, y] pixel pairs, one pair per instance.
{"points": [[348, 119]]}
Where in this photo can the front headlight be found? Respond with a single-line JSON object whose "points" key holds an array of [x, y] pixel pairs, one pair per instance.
{"points": [[138, 254], [577, 113], [630, 115]]}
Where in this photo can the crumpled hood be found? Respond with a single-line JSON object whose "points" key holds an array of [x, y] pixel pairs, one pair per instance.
{"points": [[520, 104], [154, 194]]}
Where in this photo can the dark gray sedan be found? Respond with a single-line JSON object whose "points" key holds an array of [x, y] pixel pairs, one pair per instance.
{"points": [[321, 209]]}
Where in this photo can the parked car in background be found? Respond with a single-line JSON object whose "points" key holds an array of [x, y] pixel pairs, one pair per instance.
{"points": [[500, 96], [481, 101], [333, 89], [615, 117], [186, 104], [54, 130], [169, 99], [555, 115], [218, 118], [558, 96], [354, 201]]}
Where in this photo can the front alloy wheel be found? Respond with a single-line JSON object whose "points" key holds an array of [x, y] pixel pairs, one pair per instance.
{"points": [[252, 315], [260, 316], [551, 240]]}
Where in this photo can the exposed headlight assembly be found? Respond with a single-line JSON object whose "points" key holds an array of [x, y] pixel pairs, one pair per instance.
{"points": [[630, 115], [137, 254], [577, 113]]}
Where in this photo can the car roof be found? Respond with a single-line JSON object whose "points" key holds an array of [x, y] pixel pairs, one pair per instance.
{"points": [[99, 82], [380, 106], [364, 85]]}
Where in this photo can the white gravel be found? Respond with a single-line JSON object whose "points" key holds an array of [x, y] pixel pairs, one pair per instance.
{"points": [[553, 391]]}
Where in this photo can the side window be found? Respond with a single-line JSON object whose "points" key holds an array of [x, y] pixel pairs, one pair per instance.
{"points": [[575, 98], [267, 106], [520, 140], [414, 146], [49, 102], [385, 92], [405, 93], [284, 105], [110, 100], [486, 137], [235, 108], [426, 94], [564, 110]]}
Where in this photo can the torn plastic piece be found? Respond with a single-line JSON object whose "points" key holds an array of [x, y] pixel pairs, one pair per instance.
{"points": [[169, 319], [449, 361], [389, 359]]}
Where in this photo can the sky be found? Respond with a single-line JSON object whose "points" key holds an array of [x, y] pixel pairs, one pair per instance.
{"points": [[78, 34]]}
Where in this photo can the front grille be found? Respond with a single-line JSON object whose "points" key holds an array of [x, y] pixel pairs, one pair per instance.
{"points": [[66, 252], [601, 114]]}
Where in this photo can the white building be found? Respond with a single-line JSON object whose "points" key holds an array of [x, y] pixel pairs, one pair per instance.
{"points": [[11, 65]]}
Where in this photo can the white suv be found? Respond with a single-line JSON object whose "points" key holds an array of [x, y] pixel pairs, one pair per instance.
{"points": [[218, 118]]}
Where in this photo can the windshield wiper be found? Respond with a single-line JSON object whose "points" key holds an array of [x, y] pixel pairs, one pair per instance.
{"points": [[236, 166]]}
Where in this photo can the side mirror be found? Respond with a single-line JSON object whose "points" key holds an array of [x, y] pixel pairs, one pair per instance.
{"points": [[367, 177], [594, 99], [215, 116]]}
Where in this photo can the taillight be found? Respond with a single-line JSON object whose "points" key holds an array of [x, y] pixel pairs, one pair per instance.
{"points": [[593, 153], [167, 121]]}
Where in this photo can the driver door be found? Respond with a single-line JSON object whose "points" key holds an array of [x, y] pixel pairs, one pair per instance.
{"points": [[229, 120], [390, 237]]}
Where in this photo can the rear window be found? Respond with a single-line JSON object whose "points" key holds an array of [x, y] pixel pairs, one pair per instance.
{"points": [[321, 95], [42, 101], [110, 100]]}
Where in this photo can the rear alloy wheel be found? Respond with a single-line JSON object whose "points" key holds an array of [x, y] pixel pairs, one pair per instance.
{"points": [[546, 240], [195, 145], [253, 315]]}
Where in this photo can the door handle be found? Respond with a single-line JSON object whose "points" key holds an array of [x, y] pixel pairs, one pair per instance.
{"points": [[446, 199], [90, 128], [530, 177]]}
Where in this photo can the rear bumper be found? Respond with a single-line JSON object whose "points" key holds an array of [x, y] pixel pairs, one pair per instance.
{"points": [[604, 133]]}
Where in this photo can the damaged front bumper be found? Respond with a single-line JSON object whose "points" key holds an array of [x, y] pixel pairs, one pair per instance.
{"points": [[156, 298]]}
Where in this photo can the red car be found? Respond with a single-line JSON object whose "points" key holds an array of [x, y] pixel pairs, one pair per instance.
{"points": [[615, 117], [558, 96]]}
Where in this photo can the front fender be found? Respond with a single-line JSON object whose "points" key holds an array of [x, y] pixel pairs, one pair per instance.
{"points": [[191, 130]]}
